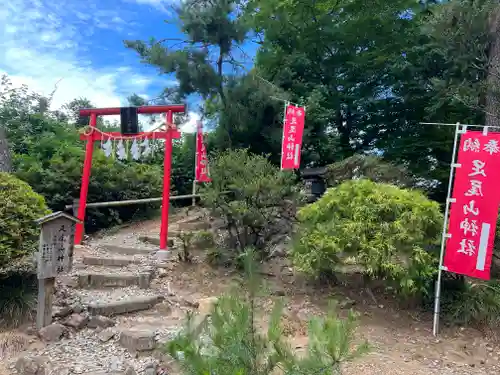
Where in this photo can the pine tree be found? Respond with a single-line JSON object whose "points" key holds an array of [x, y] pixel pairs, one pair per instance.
{"points": [[227, 341]]}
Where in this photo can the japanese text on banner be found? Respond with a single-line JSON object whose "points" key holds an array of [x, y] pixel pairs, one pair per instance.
{"points": [[474, 210], [293, 129], [201, 172]]}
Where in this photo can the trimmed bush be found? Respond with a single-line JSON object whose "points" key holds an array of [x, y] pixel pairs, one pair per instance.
{"points": [[254, 198], [392, 233], [20, 206]]}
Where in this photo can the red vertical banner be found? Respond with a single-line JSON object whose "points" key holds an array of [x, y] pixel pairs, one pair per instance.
{"points": [[293, 130], [474, 207], [201, 170]]}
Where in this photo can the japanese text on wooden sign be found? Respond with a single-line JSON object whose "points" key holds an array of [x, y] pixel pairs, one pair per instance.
{"points": [[201, 172], [293, 129], [55, 254], [474, 207]]}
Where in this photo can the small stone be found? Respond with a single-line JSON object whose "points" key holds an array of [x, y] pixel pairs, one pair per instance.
{"points": [[77, 321], [144, 280], [30, 366], [162, 273], [52, 332], [205, 305], [62, 312], [130, 371], [99, 321], [106, 335], [77, 308], [347, 304], [151, 369], [138, 339], [279, 293], [30, 330]]}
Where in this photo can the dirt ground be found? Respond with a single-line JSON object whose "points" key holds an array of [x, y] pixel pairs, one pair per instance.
{"points": [[401, 340]]}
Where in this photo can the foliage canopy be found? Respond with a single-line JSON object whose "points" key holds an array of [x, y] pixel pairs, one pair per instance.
{"points": [[393, 233], [20, 207]]}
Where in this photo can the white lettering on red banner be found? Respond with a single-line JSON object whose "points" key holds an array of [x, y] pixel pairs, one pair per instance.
{"points": [[201, 172], [293, 129], [474, 211]]}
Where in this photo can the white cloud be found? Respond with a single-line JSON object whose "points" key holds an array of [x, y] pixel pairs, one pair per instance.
{"points": [[190, 125], [162, 5], [43, 44]]}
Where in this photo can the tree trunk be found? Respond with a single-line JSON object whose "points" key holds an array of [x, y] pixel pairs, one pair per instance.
{"points": [[493, 79], [5, 161]]}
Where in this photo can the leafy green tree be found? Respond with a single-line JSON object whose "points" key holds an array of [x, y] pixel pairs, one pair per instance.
{"points": [[328, 55], [256, 119], [371, 167], [393, 233], [212, 30], [72, 111]]}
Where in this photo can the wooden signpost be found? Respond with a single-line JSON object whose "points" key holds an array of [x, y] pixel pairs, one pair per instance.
{"points": [[55, 256]]}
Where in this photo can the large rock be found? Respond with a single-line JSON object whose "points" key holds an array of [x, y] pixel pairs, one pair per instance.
{"points": [[106, 335], [31, 366], [77, 321], [61, 312], [138, 340], [52, 332], [100, 322]]}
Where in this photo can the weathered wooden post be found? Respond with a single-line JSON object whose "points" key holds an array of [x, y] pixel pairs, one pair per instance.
{"points": [[55, 256]]}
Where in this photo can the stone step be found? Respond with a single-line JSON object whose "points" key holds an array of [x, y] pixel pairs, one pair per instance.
{"points": [[121, 279], [109, 261], [193, 226], [155, 240], [127, 250], [125, 306]]}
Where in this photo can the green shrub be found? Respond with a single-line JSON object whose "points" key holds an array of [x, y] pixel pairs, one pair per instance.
{"points": [[477, 303], [19, 208], [229, 342], [18, 294], [58, 179], [393, 233], [203, 239], [370, 167], [261, 200]]}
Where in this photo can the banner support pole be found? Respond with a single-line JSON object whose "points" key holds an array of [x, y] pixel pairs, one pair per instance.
{"points": [[437, 299]]}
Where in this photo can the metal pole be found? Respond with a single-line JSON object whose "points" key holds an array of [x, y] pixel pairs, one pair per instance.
{"points": [[198, 126], [193, 203], [162, 253], [87, 167], [435, 327], [283, 135], [138, 201]]}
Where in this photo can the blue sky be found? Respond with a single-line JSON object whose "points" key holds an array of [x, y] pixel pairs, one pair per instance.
{"points": [[78, 45]]}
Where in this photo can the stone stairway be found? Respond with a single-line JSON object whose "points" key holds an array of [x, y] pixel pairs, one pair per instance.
{"points": [[108, 318], [115, 310]]}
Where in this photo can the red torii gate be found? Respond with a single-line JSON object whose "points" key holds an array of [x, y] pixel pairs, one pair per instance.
{"points": [[92, 136]]}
